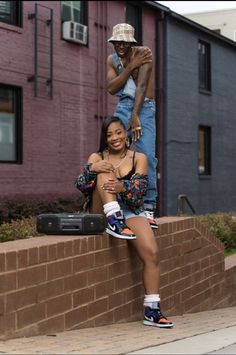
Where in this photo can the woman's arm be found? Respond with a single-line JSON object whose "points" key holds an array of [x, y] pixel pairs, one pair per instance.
{"points": [[136, 187], [86, 181]]}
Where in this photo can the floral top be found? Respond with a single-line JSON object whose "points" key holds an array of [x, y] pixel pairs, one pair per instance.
{"points": [[136, 188]]}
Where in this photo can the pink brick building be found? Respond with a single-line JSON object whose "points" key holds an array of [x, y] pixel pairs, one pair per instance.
{"points": [[53, 91], [53, 99]]}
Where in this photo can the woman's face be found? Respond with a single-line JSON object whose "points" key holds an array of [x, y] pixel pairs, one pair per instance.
{"points": [[116, 136]]}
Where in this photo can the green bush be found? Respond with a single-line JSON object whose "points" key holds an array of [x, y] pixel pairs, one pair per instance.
{"points": [[11, 210], [19, 229], [18, 216], [223, 226]]}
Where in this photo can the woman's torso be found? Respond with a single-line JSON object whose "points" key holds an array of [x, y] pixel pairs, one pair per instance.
{"points": [[124, 167]]}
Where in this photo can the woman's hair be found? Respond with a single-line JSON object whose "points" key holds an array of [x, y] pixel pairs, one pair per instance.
{"points": [[106, 123]]}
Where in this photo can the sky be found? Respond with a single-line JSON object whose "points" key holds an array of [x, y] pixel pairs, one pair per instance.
{"points": [[183, 7]]}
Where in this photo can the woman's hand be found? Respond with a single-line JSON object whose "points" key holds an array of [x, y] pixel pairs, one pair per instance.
{"points": [[102, 166], [113, 186]]}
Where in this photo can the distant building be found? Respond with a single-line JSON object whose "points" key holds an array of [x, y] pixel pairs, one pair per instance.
{"points": [[220, 21]]}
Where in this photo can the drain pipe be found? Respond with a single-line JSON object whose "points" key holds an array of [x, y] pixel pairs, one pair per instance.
{"points": [[160, 106]]}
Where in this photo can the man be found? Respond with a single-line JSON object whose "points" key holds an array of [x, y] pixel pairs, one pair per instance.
{"points": [[130, 77]]}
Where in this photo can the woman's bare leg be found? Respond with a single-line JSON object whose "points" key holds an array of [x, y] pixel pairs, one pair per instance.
{"points": [[105, 202], [147, 250], [101, 197]]}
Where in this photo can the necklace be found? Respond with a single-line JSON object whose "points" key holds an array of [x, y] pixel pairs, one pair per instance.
{"points": [[120, 162], [117, 166]]}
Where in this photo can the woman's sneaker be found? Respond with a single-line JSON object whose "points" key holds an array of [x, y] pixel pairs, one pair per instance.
{"points": [[150, 217], [154, 318], [117, 228]]}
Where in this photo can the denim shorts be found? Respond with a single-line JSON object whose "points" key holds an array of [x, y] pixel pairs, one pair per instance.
{"points": [[128, 213]]}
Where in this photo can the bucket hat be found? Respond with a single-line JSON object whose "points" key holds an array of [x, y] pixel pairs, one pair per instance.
{"points": [[122, 32]]}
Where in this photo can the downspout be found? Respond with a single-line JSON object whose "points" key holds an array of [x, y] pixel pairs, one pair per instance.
{"points": [[160, 107]]}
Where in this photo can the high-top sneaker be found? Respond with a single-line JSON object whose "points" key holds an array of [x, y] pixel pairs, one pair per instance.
{"points": [[117, 228], [150, 217], [154, 318]]}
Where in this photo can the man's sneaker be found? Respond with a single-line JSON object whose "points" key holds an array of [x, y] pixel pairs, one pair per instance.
{"points": [[154, 318], [150, 217], [117, 228]]}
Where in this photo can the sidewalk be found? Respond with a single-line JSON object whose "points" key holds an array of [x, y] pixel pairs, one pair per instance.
{"points": [[197, 333]]}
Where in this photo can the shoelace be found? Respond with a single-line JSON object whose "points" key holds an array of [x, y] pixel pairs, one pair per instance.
{"points": [[157, 312], [119, 223]]}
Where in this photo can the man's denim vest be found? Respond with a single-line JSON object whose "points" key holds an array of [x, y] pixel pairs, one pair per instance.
{"points": [[129, 88]]}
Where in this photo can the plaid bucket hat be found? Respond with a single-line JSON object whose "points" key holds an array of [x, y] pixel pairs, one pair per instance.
{"points": [[122, 32]]}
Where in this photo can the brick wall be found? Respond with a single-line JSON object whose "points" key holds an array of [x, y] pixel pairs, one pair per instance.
{"points": [[56, 283]]}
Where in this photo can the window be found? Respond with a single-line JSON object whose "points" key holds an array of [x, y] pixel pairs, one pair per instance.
{"points": [[11, 12], [204, 150], [74, 11], [204, 66], [10, 124], [134, 18]]}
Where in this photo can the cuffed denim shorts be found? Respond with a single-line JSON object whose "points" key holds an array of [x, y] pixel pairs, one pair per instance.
{"points": [[128, 213]]}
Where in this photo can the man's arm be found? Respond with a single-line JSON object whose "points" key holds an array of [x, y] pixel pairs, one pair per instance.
{"points": [[142, 84], [116, 81]]}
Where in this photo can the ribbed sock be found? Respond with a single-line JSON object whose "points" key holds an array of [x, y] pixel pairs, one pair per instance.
{"points": [[111, 207], [151, 301]]}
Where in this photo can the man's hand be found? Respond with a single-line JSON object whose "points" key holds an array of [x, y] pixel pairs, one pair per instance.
{"points": [[140, 57], [136, 127]]}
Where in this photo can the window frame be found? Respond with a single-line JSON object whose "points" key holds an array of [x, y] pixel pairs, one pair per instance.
{"points": [[137, 22], [204, 67], [15, 14], [17, 110], [207, 151], [83, 16]]}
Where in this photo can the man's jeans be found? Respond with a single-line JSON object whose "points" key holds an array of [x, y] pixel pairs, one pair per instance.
{"points": [[146, 144]]}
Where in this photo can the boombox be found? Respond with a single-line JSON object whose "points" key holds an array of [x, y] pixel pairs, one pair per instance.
{"points": [[71, 223]]}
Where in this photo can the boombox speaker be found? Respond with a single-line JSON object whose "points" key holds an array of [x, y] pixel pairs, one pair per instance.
{"points": [[71, 223]]}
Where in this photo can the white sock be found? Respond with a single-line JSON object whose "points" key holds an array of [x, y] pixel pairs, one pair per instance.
{"points": [[151, 300], [111, 207]]}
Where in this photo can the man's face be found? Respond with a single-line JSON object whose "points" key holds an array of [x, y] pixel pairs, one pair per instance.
{"points": [[122, 48]]}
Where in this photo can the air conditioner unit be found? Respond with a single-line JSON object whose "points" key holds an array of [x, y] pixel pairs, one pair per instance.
{"points": [[74, 32]]}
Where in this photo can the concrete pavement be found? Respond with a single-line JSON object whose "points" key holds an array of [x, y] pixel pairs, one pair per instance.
{"points": [[197, 333]]}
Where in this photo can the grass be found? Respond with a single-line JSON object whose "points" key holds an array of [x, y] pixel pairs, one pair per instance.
{"points": [[229, 252], [223, 226]]}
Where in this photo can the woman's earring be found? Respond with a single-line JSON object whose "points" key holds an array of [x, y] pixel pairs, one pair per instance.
{"points": [[127, 142]]}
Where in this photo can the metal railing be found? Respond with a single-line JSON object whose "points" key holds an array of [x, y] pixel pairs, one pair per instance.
{"points": [[182, 201]]}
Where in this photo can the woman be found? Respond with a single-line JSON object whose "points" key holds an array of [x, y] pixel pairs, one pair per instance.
{"points": [[115, 181]]}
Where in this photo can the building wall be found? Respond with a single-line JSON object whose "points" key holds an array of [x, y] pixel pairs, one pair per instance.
{"points": [[60, 134], [223, 20], [186, 109]]}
